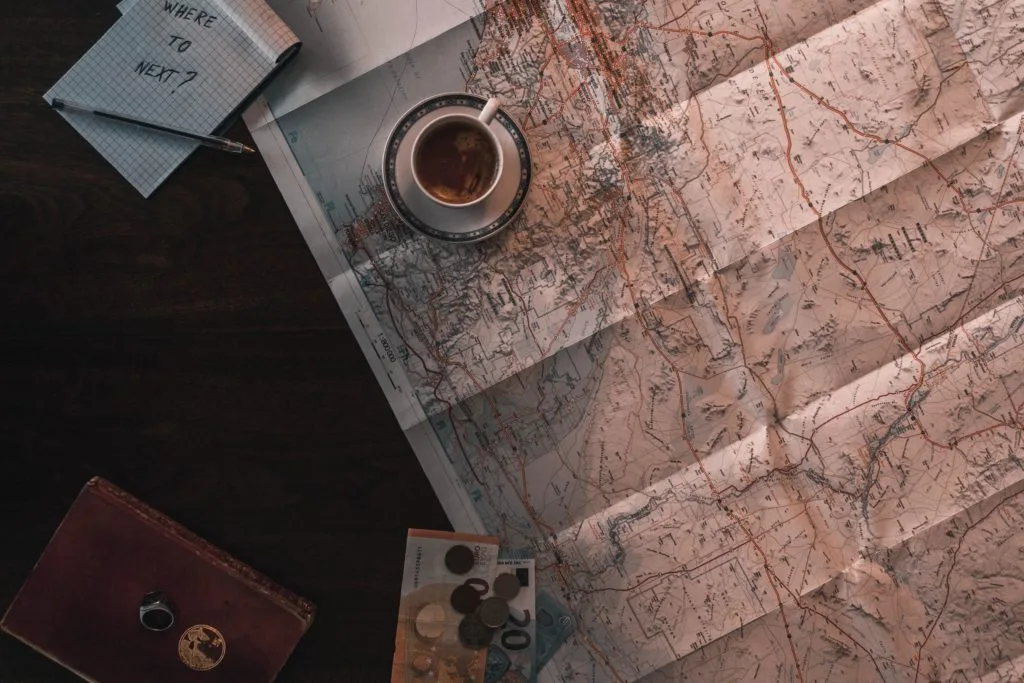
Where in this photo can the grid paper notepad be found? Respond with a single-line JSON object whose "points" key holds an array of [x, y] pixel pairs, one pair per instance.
{"points": [[186, 65]]}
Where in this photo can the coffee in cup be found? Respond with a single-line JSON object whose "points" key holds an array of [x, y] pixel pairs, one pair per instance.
{"points": [[456, 158]]}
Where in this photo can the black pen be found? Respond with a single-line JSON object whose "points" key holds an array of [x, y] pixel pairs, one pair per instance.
{"points": [[215, 141]]}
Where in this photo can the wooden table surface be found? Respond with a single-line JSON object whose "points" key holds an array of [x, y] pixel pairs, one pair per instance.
{"points": [[186, 348]]}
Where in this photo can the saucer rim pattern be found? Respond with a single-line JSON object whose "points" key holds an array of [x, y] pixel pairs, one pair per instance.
{"points": [[398, 135]]}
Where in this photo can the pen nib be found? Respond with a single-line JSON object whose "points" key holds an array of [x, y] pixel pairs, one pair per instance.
{"points": [[248, 150]]}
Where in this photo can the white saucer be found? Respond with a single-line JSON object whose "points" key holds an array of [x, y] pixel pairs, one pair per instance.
{"points": [[424, 215]]}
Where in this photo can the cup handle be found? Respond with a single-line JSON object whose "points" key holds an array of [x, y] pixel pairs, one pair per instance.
{"points": [[490, 109]]}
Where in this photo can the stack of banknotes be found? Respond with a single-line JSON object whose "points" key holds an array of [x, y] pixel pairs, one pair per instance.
{"points": [[472, 614]]}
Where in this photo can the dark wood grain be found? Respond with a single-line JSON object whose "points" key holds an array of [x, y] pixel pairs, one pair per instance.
{"points": [[186, 348]]}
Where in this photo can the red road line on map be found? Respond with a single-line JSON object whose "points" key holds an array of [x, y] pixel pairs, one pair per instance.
{"points": [[540, 86], [949, 573], [835, 256], [908, 394], [804, 194], [619, 257], [694, 452], [904, 342], [991, 222], [688, 569], [961, 198], [1001, 205], [562, 105], [573, 308], [949, 183]]}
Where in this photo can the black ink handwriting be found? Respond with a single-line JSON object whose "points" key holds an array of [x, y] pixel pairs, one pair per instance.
{"points": [[179, 43], [191, 77], [152, 70], [186, 12]]}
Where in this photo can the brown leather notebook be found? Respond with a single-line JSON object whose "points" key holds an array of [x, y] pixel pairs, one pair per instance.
{"points": [[80, 605]]}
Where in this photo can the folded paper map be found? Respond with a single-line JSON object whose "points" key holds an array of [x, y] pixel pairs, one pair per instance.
{"points": [[745, 375]]}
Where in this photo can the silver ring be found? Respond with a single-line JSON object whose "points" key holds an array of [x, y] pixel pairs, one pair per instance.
{"points": [[156, 613]]}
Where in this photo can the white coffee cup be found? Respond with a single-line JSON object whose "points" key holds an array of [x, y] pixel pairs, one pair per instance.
{"points": [[479, 123]]}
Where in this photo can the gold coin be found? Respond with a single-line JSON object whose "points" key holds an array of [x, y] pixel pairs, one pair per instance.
{"points": [[202, 647], [422, 662], [430, 621]]}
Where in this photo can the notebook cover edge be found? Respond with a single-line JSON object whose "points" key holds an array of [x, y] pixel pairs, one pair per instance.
{"points": [[300, 607], [51, 657], [24, 583]]}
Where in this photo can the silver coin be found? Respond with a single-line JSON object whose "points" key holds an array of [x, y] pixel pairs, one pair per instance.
{"points": [[493, 612], [506, 586]]}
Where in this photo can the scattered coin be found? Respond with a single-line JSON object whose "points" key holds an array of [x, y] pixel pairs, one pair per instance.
{"points": [[459, 559], [430, 621], [473, 634], [506, 586], [465, 600], [493, 612], [422, 662]]}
